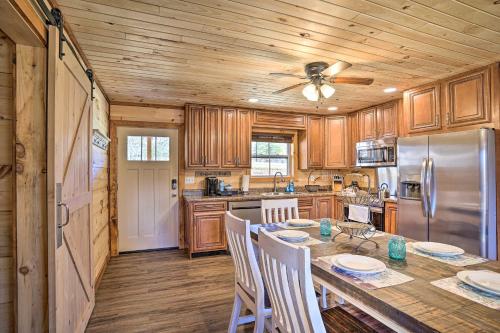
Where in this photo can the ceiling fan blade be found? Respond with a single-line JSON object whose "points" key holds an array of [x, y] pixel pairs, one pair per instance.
{"points": [[287, 75], [336, 68], [290, 88], [351, 80]]}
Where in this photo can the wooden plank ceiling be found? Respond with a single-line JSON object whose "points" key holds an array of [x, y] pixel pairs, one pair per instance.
{"points": [[221, 52]]}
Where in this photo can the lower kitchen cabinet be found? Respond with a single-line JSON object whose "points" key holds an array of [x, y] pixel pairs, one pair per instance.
{"points": [[324, 207], [390, 217], [306, 208], [338, 208], [316, 207], [205, 228]]}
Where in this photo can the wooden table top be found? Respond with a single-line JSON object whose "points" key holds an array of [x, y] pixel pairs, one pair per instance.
{"points": [[416, 305]]}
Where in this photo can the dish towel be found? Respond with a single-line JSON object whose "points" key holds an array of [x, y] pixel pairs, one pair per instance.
{"points": [[359, 213]]}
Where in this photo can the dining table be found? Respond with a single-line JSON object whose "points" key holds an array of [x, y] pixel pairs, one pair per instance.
{"points": [[413, 306]]}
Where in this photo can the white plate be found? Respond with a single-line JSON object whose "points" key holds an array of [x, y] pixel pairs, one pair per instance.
{"points": [[483, 280], [359, 264], [438, 249], [292, 235], [300, 222]]}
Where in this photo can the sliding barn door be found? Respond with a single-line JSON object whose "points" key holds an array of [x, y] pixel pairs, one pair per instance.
{"points": [[71, 290]]}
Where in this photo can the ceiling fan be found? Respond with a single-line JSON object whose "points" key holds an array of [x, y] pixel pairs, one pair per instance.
{"points": [[320, 75]]}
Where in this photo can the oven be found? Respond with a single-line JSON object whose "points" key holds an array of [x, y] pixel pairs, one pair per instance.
{"points": [[376, 153]]}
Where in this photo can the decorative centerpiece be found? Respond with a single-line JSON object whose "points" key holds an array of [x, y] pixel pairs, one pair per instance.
{"points": [[355, 229]]}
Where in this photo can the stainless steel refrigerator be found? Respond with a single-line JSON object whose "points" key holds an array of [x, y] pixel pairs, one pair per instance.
{"points": [[447, 190]]}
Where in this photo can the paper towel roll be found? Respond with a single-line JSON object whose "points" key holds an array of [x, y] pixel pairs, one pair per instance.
{"points": [[245, 183]]}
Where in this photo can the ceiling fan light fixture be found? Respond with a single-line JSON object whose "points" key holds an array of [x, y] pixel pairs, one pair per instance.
{"points": [[327, 90], [311, 92]]}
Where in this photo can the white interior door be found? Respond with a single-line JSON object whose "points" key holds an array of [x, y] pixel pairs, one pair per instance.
{"points": [[148, 204]]}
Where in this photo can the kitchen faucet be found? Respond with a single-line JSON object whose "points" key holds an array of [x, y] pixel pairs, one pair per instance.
{"points": [[281, 180]]}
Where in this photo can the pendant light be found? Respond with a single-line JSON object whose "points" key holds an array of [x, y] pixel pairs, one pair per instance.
{"points": [[311, 92]]}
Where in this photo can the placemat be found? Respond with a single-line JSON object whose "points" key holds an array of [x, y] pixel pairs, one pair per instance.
{"points": [[371, 282], [460, 261], [310, 241], [457, 287], [287, 226]]}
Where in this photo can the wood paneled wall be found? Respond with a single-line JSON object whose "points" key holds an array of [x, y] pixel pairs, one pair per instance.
{"points": [[100, 173], [31, 188], [7, 116]]}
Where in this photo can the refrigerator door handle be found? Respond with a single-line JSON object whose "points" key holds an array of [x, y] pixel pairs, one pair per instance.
{"points": [[423, 188], [431, 188]]}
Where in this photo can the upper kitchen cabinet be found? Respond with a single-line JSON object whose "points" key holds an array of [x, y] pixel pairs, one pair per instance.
{"points": [[279, 120], [466, 98], [422, 109], [203, 136], [353, 130], [387, 120], [368, 124], [336, 148], [311, 144], [236, 138]]}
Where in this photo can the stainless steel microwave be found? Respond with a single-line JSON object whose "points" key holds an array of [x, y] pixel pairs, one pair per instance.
{"points": [[376, 153]]}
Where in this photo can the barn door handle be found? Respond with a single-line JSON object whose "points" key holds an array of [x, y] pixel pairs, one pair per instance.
{"points": [[66, 221]]}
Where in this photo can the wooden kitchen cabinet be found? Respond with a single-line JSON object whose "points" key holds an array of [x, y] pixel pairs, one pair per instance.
{"points": [[324, 207], [209, 232], [387, 120], [212, 136], [203, 136], [422, 109], [336, 139], [390, 217], [205, 226], [229, 149], [311, 144], [236, 138], [306, 208], [279, 120], [338, 208], [194, 136], [353, 137], [466, 98], [244, 141], [368, 124]]}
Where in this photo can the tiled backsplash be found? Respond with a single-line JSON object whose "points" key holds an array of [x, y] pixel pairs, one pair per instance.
{"points": [[300, 178]]}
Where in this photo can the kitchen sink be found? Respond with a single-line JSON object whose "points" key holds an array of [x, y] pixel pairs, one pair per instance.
{"points": [[275, 194]]}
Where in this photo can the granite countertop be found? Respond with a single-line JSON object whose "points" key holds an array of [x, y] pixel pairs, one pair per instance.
{"points": [[256, 196], [392, 199]]}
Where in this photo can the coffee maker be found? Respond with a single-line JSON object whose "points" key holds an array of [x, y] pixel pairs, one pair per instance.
{"points": [[211, 186]]}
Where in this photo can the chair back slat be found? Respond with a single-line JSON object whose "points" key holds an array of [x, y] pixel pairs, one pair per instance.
{"points": [[280, 210], [247, 271], [286, 269]]}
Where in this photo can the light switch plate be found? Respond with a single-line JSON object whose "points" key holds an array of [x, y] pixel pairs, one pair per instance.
{"points": [[188, 180]]}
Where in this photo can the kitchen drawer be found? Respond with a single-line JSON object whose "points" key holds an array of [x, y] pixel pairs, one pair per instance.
{"points": [[209, 206], [303, 202]]}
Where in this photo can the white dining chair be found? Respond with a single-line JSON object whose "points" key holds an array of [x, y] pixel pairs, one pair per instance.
{"points": [[249, 287], [279, 210], [286, 269]]}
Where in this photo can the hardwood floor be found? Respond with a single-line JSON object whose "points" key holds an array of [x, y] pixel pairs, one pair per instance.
{"points": [[163, 291]]}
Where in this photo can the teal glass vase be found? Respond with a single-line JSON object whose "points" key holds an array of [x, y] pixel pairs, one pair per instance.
{"points": [[325, 227], [397, 248]]}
